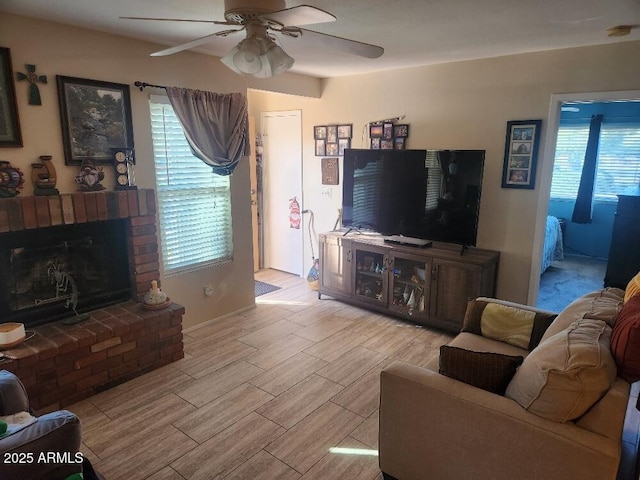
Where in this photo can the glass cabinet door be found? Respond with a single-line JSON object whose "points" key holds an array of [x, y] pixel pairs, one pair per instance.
{"points": [[370, 275], [409, 286]]}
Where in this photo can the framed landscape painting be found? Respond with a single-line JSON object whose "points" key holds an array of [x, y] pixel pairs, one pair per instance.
{"points": [[10, 135], [95, 117]]}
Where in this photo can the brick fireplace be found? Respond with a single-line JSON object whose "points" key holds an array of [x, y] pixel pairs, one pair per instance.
{"points": [[62, 364]]}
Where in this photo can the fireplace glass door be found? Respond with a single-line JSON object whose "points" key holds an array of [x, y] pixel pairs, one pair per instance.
{"points": [[57, 272]]}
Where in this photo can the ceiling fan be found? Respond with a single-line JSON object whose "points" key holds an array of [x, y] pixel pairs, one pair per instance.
{"points": [[258, 54]]}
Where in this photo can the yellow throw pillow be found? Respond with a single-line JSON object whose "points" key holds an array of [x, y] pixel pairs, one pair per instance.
{"points": [[633, 288]]}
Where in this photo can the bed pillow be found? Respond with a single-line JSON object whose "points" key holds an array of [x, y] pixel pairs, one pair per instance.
{"points": [[566, 374], [516, 326], [625, 340], [633, 288], [489, 371]]}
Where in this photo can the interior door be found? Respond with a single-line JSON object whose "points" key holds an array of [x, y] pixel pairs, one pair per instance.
{"points": [[253, 177], [282, 182]]}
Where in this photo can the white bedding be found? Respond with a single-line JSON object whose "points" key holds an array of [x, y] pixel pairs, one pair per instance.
{"points": [[553, 248]]}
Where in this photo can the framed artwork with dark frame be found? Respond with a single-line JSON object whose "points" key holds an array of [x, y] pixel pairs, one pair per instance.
{"points": [[400, 131], [375, 143], [386, 144], [95, 117], [343, 143], [320, 132], [399, 143], [321, 147], [375, 130], [345, 131], [10, 135], [387, 130], [331, 148], [520, 154], [332, 135], [330, 172]]}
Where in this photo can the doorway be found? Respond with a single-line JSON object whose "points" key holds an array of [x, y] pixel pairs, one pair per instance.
{"points": [[281, 134], [595, 279]]}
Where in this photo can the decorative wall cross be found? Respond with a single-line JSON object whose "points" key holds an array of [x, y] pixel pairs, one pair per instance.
{"points": [[33, 79]]}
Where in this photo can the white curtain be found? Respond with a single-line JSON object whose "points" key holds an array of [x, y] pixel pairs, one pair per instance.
{"points": [[216, 126]]}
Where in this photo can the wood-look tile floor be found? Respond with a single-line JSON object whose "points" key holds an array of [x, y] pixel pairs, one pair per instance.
{"points": [[265, 394]]}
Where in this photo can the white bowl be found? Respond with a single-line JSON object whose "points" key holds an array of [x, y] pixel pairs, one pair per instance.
{"points": [[11, 334]]}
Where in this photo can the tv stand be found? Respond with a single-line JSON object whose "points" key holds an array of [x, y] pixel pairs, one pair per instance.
{"points": [[429, 286]]}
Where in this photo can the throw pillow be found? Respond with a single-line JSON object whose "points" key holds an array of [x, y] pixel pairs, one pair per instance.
{"points": [[567, 373], [516, 326], [633, 288], [625, 340], [485, 370]]}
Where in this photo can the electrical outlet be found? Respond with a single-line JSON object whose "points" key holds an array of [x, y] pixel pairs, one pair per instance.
{"points": [[327, 192], [208, 290]]}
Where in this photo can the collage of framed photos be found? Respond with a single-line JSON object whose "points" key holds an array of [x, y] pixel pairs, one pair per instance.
{"points": [[332, 139], [520, 154], [387, 136]]}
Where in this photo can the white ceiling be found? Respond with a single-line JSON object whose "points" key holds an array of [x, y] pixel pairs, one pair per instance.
{"points": [[412, 32]]}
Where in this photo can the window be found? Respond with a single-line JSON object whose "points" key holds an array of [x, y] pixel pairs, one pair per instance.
{"points": [[194, 203], [618, 160]]}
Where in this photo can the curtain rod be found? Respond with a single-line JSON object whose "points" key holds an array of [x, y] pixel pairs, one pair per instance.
{"points": [[142, 85]]}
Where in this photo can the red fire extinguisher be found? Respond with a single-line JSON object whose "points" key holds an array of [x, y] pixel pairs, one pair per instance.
{"points": [[294, 213]]}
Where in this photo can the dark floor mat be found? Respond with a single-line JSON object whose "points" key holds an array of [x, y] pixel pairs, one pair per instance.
{"points": [[261, 288]]}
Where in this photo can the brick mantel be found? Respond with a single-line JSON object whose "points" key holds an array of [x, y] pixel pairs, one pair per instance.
{"points": [[137, 207]]}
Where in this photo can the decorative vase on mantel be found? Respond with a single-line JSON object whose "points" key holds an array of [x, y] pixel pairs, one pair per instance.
{"points": [[43, 176]]}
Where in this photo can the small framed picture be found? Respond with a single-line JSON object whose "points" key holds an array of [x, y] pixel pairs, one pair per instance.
{"points": [[520, 154], [375, 143], [375, 130], [332, 148], [386, 144], [321, 147], [320, 132], [387, 130], [400, 131], [332, 134], [345, 131], [330, 172], [342, 144], [399, 143]]}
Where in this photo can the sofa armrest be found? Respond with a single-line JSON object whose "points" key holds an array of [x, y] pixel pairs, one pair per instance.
{"points": [[435, 427], [13, 396], [58, 432]]}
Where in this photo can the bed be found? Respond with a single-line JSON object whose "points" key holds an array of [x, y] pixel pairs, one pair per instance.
{"points": [[553, 248]]}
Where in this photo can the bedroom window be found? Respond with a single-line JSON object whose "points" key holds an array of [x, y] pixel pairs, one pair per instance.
{"points": [[618, 160], [194, 204]]}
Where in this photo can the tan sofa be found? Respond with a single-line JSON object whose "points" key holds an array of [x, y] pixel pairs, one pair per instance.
{"points": [[434, 427]]}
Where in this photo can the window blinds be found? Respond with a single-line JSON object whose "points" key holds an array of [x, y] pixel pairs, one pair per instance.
{"points": [[194, 204], [618, 160]]}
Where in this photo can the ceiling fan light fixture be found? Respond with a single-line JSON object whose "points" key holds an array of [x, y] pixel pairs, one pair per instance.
{"points": [[248, 58], [278, 60]]}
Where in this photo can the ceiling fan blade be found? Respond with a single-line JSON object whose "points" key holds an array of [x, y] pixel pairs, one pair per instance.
{"points": [[344, 44], [177, 20], [193, 43], [300, 15]]}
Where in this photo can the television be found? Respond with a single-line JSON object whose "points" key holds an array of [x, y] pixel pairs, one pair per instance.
{"points": [[423, 194]]}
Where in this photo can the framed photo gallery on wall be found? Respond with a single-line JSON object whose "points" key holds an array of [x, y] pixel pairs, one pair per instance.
{"points": [[520, 154], [332, 139], [387, 136]]}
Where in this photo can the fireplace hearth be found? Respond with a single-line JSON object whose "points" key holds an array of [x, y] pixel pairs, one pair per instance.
{"points": [[62, 364]]}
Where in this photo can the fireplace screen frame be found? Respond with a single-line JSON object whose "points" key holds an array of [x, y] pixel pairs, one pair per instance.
{"points": [[108, 240]]}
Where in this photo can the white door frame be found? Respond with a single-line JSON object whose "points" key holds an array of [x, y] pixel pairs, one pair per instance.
{"points": [[547, 171], [265, 186]]}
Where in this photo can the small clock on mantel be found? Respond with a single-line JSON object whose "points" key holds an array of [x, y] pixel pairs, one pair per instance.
{"points": [[123, 161]]}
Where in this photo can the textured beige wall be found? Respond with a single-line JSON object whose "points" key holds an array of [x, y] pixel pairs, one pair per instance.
{"points": [[62, 50], [463, 105]]}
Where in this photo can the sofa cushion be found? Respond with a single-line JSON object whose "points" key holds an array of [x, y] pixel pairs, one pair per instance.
{"points": [[485, 370], [519, 327], [602, 305], [567, 373], [625, 340], [633, 288]]}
